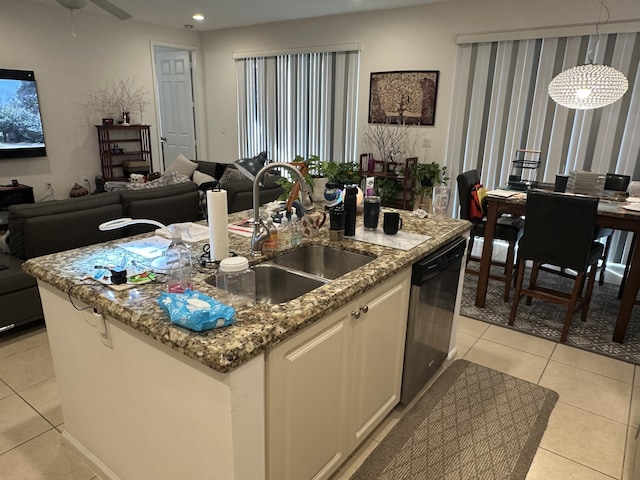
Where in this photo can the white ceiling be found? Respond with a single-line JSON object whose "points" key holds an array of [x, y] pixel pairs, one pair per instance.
{"points": [[234, 13]]}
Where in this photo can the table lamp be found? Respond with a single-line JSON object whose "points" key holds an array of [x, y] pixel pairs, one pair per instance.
{"points": [[126, 221]]}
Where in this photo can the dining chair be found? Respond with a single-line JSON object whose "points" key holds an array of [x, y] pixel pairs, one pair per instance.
{"points": [[508, 229], [558, 232], [613, 183]]}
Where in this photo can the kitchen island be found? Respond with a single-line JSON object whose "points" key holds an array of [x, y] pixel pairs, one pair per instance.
{"points": [[145, 399]]}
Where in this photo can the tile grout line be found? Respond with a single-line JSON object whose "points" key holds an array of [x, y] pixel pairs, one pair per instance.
{"points": [[27, 441], [578, 463]]}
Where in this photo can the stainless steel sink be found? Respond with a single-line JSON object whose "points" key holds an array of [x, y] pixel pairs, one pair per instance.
{"points": [[277, 284], [322, 261]]}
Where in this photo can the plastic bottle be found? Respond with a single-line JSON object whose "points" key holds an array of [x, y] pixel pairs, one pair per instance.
{"points": [[296, 234], [178, 266], [284, 234], [271, 244], [235, 276], [350, 200]]}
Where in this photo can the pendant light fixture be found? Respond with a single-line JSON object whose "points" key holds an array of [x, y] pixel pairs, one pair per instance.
{"points": [[591, 85]]}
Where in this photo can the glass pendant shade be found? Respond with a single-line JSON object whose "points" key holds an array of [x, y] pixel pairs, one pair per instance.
{"points": [[588, 86]]}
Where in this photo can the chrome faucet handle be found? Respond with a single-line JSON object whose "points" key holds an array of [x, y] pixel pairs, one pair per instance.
{"points": [[260, 235]]}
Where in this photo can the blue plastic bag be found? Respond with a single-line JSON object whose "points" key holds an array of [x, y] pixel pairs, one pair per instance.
{"points": [[196, 311]]}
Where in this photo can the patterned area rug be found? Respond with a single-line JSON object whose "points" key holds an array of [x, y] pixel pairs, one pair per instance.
{"points": [[472, 423], [545, 319]]}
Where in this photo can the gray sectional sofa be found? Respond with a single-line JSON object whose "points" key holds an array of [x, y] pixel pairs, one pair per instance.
{"points": [[50, 227], [239, 189]]}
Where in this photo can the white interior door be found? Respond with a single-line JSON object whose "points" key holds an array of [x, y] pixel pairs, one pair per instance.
{"points": [[175, 95]]}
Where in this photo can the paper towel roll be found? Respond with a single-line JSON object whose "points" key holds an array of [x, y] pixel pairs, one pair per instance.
{"points": [[217, 217]]}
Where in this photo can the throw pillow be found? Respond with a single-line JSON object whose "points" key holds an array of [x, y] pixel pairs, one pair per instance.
{"points": [[169, 178], [182, 165], [200, 178], [231, 174]]}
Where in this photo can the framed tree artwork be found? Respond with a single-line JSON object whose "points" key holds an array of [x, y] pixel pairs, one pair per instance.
{"points": [[405, 97]]}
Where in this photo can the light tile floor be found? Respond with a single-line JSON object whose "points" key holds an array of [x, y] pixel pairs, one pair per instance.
{"points": [[593, 426], [589, 435]]}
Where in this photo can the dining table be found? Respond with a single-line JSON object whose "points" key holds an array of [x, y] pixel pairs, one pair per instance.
{"points": [[611, 214]]}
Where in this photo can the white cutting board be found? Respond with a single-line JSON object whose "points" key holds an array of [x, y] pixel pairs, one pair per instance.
{"points": [[401, 240]]}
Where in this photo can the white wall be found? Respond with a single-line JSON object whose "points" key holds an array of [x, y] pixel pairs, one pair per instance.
{"points": [[416, 38], [38, 37]]}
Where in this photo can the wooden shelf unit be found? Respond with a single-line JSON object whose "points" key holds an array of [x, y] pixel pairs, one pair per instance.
{"points": [[135, 144], [382, 169]]}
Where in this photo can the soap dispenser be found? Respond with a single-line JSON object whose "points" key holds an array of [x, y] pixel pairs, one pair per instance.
{"points": [[271, 244], [284, 234], [296, 235]]}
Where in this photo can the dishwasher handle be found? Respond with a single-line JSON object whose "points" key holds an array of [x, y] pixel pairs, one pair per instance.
{"points": [[430, 266]]}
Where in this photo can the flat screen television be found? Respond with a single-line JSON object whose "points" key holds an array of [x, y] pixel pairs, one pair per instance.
{"points": [[21, 132]]}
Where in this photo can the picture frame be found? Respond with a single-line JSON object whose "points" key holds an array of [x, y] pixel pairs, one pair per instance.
{"points": [[403, 97]]}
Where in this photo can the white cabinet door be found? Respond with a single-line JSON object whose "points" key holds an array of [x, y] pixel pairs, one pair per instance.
{"points": [[330, 385], [377, 355], [306, 402]]}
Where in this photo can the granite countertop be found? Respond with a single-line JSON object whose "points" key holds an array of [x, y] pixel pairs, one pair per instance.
{"points": [[257, 326]]}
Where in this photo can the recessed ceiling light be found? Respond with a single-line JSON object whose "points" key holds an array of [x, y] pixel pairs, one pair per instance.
{"points": [[198, 16]]}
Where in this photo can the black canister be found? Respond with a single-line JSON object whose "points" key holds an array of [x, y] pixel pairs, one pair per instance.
{"points": [[350, 200]]}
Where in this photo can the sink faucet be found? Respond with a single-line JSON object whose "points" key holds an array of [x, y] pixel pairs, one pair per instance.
{"points": [[260, 230]]}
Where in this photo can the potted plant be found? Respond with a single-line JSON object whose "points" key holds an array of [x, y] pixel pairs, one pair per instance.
{"points": [[317, 174], [118, 98], [345, 173], [430, 174], [388, 189], [314, 166], [427, 175]]}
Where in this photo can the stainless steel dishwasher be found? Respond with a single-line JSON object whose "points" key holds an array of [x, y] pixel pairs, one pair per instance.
{"points": [[434, 285]]}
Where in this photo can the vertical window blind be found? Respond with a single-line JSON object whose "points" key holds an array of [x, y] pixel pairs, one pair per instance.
{"points": [[298, 104], [501, 104]]}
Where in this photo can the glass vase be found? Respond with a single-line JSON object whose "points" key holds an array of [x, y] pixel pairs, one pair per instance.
{"points": [[441, 195]]}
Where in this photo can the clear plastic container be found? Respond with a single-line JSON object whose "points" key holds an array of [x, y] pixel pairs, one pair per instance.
{"points": [[178, 266], [235, 276]]}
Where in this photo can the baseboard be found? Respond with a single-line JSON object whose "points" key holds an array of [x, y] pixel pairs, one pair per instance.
{"points": [[87, 458], [452, 354]]}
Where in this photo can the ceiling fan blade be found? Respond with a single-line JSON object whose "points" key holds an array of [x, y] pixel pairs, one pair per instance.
{"points": [[112, 9], [73, 4]]}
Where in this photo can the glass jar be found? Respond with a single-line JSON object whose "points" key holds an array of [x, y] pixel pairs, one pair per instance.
{"points": [[235, 276]]}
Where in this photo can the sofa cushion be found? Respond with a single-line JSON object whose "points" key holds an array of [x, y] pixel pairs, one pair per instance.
{"points": [[14, 278], [169, 204], [182, 165], [20, 307], [231, 174], [211, 168], [199, 178], [240, 193], [47, 227]]}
